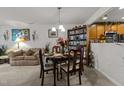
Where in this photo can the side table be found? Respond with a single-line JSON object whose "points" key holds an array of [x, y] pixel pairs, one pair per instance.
{"points": [[4, 59]]}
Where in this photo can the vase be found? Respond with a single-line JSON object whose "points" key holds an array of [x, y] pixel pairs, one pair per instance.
{"points": [[62, 49]]}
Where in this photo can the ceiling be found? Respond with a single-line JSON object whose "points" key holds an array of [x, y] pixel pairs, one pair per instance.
{"points": [[45, 15], [115, 15]]}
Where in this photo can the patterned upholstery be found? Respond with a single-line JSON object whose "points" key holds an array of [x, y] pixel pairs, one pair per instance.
{"points": [[23, 58]]}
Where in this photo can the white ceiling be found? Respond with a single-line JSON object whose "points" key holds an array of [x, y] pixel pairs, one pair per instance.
{"points": [[45, 15], [115, 15]]}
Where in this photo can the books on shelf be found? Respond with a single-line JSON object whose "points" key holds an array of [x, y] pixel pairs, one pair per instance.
{"points": [[77, 36], [71, 32], [83, 36]]}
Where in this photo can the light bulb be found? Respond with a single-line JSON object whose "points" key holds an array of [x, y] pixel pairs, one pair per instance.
{"points": [[105, 17], [122, 18], [121, 8]]}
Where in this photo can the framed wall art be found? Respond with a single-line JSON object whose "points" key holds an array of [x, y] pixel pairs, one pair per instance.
{"points": [[23, 34], [52, 34]]}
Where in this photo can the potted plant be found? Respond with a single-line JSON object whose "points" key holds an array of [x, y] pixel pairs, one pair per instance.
{"points": [[62, 42], [47, 49], [3, 50]]}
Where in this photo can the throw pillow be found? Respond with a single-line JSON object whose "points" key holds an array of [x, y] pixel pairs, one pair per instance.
{"points": [[18, 58], [17, 53], [29, 52], [29, 58]]}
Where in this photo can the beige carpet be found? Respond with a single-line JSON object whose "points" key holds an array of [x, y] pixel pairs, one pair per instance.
{"points": [[29, 76], [18, 75]]}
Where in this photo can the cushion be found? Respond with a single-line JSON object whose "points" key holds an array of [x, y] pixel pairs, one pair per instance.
{"points": [[17, 53], [28, 52], [11, 50], [18, 58], [29, 58], [24, 63], [36, 53], [35, 49], [65, 67]]}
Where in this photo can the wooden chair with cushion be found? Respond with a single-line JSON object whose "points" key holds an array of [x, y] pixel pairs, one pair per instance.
{"points": [[72, 66], [56, 49], [44, 69]]}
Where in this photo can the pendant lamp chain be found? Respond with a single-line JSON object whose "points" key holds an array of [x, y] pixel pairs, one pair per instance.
{"points": [[59, 8], [60, 27]]}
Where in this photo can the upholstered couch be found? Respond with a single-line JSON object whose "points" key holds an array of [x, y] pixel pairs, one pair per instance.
{"points": [[28, 57]]}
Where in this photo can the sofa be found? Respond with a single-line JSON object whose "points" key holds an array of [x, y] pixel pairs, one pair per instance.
{"points": [[28, 57]]}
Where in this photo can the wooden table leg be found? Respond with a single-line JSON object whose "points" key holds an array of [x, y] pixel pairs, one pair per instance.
{"points": [[54, 72], [58, 71]]}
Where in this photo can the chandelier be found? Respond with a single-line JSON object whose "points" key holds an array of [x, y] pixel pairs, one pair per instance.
{"points": [[60, 27]]}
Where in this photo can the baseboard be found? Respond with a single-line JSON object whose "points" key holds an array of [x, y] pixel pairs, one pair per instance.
{"points": [[111, 79]]}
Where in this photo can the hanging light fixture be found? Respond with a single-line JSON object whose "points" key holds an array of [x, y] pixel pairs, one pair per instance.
{"points": [[53, 29], [60, 26], [105, 17], [120, 8]]}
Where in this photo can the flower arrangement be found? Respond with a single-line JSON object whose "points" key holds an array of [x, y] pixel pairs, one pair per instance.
{"points": [[47, 49], [62, 41], [3, 50]]}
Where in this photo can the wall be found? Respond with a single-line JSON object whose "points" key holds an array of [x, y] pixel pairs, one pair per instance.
{"points": [[42, 31], [109, 59]]}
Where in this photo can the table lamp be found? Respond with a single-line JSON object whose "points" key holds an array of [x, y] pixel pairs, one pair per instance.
{"points": [[18, 40]]}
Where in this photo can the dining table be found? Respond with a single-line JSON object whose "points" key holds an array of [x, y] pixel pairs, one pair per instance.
{"points": [[56, 59]]}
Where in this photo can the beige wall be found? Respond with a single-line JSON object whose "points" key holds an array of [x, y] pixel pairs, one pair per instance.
{"points": [[40, 42]]}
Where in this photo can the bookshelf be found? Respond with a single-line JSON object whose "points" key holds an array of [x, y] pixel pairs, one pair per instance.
{"points": [[77, 36]]}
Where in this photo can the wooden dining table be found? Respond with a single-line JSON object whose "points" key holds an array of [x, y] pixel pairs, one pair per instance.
{"points": [[56, 59]]}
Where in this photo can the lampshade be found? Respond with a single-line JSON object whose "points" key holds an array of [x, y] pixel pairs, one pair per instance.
{"points": [[61, 28], [105, 17], [18, 40], [53, 29]]}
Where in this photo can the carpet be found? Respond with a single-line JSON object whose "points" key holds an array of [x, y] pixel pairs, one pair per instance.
{"points": [[29, 76]]}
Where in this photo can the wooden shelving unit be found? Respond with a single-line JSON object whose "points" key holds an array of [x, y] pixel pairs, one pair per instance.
{"points": [[77, 36]]}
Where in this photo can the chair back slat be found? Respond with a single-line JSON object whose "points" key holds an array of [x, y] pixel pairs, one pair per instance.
{"points": [[41, 58], [73, 58], [56, 49], [81, 58]]}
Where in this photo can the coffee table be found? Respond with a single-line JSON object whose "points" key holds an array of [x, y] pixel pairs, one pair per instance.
{"points": [[4, 59]]}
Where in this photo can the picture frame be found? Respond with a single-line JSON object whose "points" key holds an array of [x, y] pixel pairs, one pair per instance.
{"points": [[21, 33], [52, 34]]}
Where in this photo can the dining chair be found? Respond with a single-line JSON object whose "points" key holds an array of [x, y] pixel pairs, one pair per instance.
{"points": [[72, 65], [56, 49], [44, 69]]}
